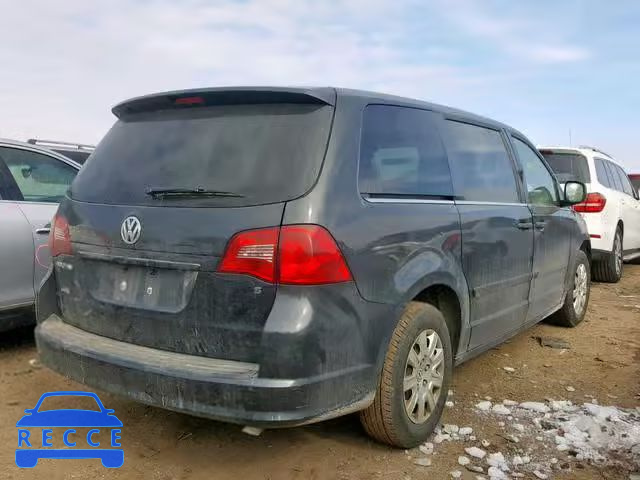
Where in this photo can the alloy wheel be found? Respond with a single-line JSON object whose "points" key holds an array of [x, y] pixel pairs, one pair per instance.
{"points": [[423, 376], [580, 289], [617, 252]]}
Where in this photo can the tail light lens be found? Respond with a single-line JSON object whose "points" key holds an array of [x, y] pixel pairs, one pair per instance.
{"points": [[594, 203], [252, 253], [59, 238], [292, 254], [308, 255]]}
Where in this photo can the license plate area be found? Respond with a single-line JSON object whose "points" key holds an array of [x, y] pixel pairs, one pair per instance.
{"points": [[144, 287]]}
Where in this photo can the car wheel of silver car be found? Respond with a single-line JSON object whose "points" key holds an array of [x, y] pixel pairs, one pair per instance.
{"points": [[610, 268], [576, 301], [415, 379]]}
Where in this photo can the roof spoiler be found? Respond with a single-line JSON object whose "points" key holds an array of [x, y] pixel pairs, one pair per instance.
{"points": [[225, 96]]}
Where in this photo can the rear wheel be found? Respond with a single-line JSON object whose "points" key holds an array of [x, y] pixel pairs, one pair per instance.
{"points": [[609, 269], [575, 303], [415, 379]]}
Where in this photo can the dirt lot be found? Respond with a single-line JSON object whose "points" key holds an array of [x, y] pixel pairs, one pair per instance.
{"points": [[603, 361]]}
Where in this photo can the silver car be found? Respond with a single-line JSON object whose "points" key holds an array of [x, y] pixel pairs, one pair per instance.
{"points": [[32, 182]]}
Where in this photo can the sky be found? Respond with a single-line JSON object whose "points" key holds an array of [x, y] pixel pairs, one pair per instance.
{"points": [[561, 72]]}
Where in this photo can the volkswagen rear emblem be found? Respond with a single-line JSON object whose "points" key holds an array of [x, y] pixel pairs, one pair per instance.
{"points": [[130, 230]]}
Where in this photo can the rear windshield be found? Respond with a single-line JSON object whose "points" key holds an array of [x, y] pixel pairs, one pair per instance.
{"points": [[261, 153], [568, 166]]}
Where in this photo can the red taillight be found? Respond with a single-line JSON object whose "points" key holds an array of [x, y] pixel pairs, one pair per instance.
{"points": [[252, 253], [189, 101], [594, 203], [293, 254], [308, 255], [59, 238]]}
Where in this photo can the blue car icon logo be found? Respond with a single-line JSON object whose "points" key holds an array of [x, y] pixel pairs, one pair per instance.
{"points": [[34, 444]]}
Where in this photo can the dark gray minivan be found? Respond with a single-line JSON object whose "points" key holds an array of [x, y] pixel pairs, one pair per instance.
{"points": [[280, 256]]}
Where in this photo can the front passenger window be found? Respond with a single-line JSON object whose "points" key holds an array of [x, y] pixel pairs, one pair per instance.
{"points": [[541, 189]]}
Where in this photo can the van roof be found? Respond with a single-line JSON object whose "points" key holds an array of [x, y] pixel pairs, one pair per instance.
{"points": [[320, 95]]}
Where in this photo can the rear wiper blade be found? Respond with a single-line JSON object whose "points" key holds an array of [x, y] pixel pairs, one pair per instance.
{"points": [[188, 192]]}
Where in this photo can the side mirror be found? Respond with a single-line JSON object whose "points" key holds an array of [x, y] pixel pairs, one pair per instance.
{"points": [[574, 192]]}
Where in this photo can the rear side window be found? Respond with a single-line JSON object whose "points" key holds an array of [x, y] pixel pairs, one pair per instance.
{"points": [[624, 180], [568, 166], [257, 154], [616, 184], [401, 153], [481, 168], [75, 155], [635, 181], [602, 173]]}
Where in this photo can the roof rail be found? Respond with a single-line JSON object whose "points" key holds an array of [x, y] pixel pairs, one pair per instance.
{"points": [[595, 150], [55, 143]]}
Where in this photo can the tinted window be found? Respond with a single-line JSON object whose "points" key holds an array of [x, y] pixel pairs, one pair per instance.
{"points": [[613, 176], [635, 181], [263, 153], [624, 180], [39, 178], [75, 155], [568, 166], [541, 188], [481, 168], [602, 173], [8, 188], [401, 153]]}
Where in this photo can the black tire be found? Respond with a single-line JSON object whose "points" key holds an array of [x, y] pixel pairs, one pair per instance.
{"points": [[567, 315], [386, 419], [609, 269]]}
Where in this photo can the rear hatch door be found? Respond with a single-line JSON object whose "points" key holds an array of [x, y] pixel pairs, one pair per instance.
{"points": [[152, 210]]}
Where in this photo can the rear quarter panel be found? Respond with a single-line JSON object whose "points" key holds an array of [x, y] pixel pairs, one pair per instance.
{"points": [[394, 250], [605, 222], [578, 230]]}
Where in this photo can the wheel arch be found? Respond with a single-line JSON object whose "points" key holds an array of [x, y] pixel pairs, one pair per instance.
{"points": [[446, 300], [446, 292], [586, 248]]}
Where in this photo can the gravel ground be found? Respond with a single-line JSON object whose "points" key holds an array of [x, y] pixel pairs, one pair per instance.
{"points": [[601, 368]]}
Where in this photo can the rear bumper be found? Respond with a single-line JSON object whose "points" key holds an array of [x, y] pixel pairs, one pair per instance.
{"points": [[218, 389], [601, 233]]}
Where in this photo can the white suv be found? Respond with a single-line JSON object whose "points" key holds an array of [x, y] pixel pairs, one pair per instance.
{"points": [[611, 210]]}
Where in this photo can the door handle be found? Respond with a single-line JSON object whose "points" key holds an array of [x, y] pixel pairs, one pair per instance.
{"points": [[523, 225], [44, 230], [540, 226]]}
